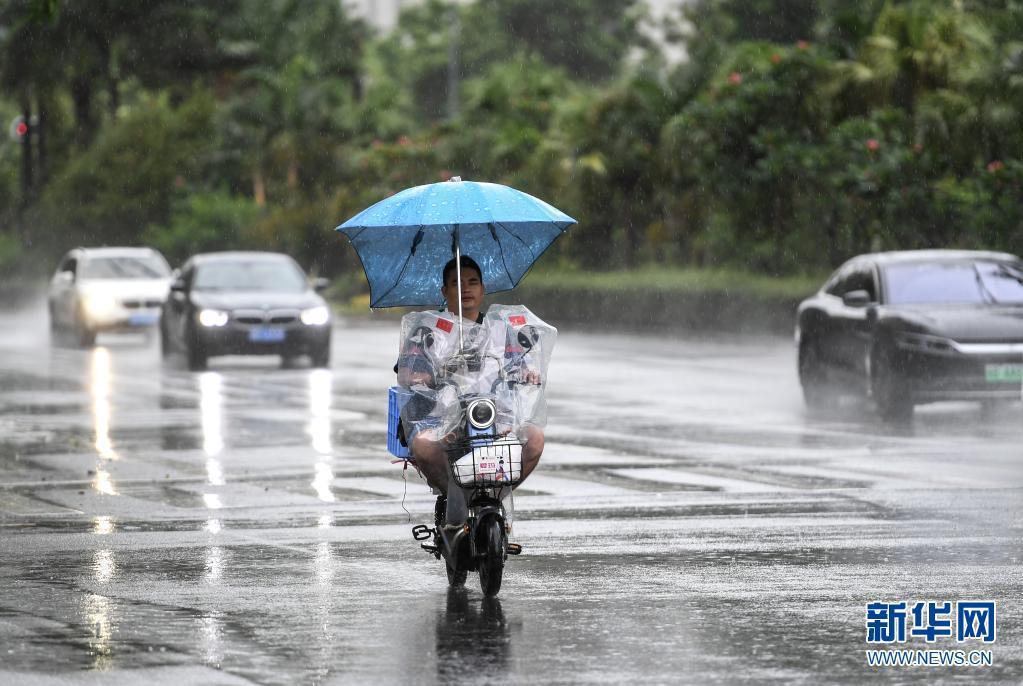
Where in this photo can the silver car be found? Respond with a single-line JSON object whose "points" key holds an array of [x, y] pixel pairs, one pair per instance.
{"points": [[106, 289]]}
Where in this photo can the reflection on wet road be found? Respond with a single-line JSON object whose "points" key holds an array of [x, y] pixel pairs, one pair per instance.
{"points": [[689, 522]]}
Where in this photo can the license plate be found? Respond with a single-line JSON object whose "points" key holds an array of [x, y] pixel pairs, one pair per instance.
{"points": [[143, 318], [266, 334], [1003, 373]]}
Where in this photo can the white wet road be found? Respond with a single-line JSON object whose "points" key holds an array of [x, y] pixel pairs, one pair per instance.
{"points": [[689, 523]]}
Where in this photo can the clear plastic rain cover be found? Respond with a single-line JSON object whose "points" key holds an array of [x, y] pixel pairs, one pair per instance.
{"points": [[505, 358]]}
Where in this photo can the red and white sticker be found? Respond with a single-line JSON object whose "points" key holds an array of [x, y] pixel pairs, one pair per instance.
{"points": [[517, 320], [444, 325]]}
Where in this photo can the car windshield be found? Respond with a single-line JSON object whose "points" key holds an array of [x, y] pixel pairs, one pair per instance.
{"points": [[150, 267], [256, 275], [980, 282]]}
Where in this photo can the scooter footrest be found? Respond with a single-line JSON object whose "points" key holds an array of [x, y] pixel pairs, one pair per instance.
{"points": [[421, 532], [432, 549], [514, 549]]}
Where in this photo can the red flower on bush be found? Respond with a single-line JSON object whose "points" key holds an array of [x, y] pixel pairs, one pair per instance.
{"points": [[873, 144], [803, 45], [735, 78], [775, 58], [995, 165], [403, 141]]}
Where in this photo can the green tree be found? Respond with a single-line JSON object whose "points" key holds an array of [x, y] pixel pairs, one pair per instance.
{"points": [[125, 181]]}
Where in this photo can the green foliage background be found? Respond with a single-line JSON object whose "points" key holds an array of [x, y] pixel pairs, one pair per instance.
{"points": [[794, 135]]}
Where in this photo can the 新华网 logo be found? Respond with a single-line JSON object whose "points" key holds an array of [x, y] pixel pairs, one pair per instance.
{"points": [[965, 622]]}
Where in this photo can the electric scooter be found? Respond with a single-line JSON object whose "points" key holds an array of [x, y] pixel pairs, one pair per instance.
{"points": [[471, 525]]}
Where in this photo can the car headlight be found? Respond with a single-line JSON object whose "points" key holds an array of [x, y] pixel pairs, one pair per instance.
{"points": [[213, 318], [924, 343], [316, 316], [482, 413], [99, 305]]}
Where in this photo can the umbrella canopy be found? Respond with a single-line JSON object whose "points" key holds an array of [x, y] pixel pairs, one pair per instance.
{"points": [[405, 240]]}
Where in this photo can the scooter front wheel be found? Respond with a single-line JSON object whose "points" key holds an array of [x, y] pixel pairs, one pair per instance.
{"points": [[491, 547]]}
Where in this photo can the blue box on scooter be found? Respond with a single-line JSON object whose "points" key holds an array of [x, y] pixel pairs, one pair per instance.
{"points": [[396, 399]]}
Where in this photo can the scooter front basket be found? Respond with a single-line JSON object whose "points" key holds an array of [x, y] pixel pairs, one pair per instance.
{"points": [[490, 463]]}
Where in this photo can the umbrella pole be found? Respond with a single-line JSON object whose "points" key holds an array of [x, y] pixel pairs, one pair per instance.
{"points": [[458, 275]]}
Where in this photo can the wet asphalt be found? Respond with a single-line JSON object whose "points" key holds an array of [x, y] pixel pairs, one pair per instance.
{"points": [[690, 522]]}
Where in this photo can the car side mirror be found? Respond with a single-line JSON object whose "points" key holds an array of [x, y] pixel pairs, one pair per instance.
{"points": [[320, 284], [178, 285], [857, 298], [66, 277]]}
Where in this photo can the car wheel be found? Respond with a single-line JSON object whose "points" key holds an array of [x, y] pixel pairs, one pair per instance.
{"points": [[195, 354], [817, 394], [320, 357], [888, 388]]}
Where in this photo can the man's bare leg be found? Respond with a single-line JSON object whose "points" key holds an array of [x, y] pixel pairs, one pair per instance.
{"points": [[532, 449], [431, 458]]}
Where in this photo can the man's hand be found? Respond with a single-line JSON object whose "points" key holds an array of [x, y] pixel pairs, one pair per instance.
{"points": [[532, 377]]}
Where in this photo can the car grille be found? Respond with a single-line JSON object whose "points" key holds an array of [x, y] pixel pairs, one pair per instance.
{"points": [[261, 318], [136, 304]]}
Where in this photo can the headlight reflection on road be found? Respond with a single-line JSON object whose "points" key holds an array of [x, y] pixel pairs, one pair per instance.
{"points": [[211, 404], [97, 611], [214, 472], [321, 383], [324, 564], [323, 481], [99, 386], [320, 396], [214, 565], [212, 630], [103, 566], [101, 526], [102, 483]]}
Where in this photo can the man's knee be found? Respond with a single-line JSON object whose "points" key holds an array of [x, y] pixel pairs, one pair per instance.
{"points": [[533, 447], [425, 449]]}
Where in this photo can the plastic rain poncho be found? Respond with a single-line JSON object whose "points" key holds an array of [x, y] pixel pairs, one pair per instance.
{"points": [[497, 359]]}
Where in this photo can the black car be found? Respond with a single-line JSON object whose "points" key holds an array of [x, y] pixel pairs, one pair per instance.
{"points": [[245, 303], [914, 327]]}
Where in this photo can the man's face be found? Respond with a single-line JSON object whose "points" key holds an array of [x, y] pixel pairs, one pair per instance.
{"points": [[471, 292]]}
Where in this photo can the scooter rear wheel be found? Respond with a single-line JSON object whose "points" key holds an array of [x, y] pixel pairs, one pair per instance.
{"points": [[491, 566]]}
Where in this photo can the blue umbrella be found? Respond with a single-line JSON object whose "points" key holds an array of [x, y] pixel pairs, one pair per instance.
{"points": [[405, 240]]}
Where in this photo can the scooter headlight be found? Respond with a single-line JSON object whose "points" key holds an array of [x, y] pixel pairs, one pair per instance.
{"points": [[482, 413]]}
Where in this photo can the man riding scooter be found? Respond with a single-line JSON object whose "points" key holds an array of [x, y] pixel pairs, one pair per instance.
{"points": [[471, 397], [471, 412], [415, 368]]}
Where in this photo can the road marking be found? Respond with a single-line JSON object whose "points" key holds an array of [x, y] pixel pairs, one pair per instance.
{"points": [[703, 481]]}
